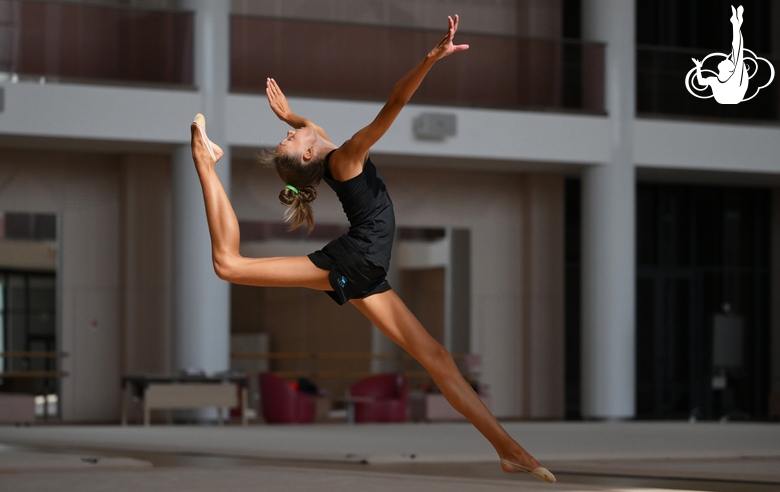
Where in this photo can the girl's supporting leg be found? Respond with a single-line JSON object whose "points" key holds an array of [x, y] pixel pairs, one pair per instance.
{"points": [[389, 313], [223, 228]]}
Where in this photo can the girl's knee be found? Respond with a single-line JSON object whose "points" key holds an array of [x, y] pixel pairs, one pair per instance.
{"points": [[436, 357]]}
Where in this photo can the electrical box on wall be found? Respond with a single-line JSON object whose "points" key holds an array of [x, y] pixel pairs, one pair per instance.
{"points": [[434, 126]]}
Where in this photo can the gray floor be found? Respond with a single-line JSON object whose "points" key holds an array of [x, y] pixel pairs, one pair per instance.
{"points": [[636, 457]]}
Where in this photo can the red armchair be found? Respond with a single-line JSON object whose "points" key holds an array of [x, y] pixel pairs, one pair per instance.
{"points": [[389, 393], [284, 405]]}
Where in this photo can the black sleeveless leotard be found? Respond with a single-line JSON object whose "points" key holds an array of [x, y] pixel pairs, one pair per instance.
{"points": [[369, 210], [359, 260]]}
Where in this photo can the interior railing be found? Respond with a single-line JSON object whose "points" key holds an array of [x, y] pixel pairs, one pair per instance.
{"points": [[65, 41], [348, 61]]}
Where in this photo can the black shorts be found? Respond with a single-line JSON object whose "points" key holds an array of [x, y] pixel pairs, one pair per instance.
{"points": [[351, 275]]}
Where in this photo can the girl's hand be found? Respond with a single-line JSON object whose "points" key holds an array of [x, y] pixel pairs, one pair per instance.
{"points": [[276, 100], [445, 47]]}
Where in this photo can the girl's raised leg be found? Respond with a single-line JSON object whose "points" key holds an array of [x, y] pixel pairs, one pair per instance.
{"points": [[389, 313], [225, 236]]}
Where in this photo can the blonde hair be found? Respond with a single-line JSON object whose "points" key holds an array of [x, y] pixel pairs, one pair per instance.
{"points": [[304, 177]]}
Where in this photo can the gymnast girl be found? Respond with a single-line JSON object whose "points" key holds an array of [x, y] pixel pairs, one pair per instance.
{"points": [[351, 268]]}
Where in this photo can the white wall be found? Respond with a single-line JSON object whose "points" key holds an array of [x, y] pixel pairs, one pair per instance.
{"points": [[70, 111], [483, 135], [707, 146]]}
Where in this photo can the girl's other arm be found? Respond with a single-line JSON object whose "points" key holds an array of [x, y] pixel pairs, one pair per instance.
{"points": [[281, 108], [351, 156]]}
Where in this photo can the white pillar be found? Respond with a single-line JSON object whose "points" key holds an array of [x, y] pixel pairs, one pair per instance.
{"points": [[201, 301], [608, 227]]}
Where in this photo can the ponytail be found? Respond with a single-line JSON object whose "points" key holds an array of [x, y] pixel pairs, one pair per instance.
{"points": [[298, 205], [301, 180]]}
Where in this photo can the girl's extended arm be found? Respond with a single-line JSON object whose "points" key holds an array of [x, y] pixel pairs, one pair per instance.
{"points": [[281, 108], [348, 160]]}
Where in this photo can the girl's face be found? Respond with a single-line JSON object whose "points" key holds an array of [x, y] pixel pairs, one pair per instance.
{"points": [[298, 141]]}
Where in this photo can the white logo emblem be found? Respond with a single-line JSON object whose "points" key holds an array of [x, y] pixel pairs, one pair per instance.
{"points": [[730, 84]]}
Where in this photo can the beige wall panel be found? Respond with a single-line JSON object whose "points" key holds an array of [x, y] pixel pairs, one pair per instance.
{"points": [[422, 290], [543, 262], [146, 243], [94, 357]]}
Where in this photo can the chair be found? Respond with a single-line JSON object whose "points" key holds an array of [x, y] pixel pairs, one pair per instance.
{"points": [[284, 405], [389, 393]]}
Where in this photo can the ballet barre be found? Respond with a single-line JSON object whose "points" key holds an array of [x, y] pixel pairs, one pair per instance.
{"points": [[42, 374], [314, 357], [327, 356]]}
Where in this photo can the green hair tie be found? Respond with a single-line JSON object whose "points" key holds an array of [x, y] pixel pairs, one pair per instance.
{"points": [[292, 188]]}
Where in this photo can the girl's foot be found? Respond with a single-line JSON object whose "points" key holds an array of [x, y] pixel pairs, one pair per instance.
{"points": [[214, 150], [525, 462], [540, 472]]}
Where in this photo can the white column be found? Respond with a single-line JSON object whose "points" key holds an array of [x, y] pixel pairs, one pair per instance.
{"points": [[201, 301], [608, 228]]}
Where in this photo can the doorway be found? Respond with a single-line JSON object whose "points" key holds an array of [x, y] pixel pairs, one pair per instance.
{"points": [[29, 354]]}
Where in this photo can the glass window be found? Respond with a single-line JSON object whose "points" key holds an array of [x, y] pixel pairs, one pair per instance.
{"points": [[42, 292], [17, 300]]}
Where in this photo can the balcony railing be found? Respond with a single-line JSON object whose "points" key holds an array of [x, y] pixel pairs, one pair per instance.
{"points": [[347, 61], [93, 43], [661, 90]]}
